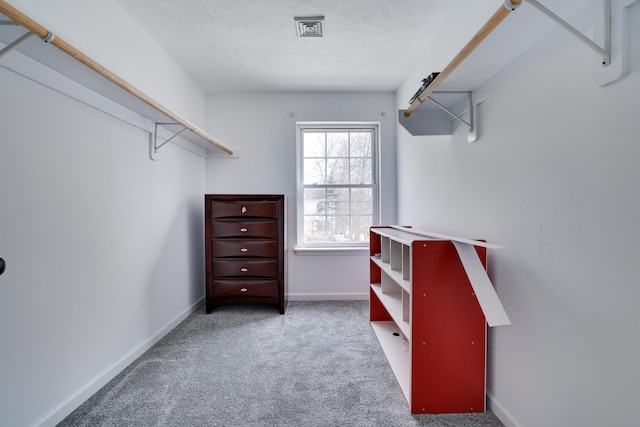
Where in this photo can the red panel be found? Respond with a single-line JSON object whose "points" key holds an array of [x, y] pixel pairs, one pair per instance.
{"points": [[374, 248], [449, 333], [377, 311], [374, 272], [374, 242]]}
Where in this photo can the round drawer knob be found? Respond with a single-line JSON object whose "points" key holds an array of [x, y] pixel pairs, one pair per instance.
{"points": [[244, 230], [244, 209], [244, 250], [244, 270], [244, 290]]}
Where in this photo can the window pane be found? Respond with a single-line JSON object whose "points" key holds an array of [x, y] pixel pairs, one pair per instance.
{"points": [[361, 171], [360, 144], [315, 201], [337, 171], [314, 144], [339, 228], [315, 229], [314, 171], [360, 225], [361, 201], [338, 144], [338, 199]]}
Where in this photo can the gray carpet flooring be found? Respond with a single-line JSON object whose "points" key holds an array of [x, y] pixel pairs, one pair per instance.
{"points": [[317, 365]]}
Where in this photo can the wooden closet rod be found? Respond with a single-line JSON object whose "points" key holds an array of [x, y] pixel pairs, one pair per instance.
{"points": [[43, 33], [487, 28]]}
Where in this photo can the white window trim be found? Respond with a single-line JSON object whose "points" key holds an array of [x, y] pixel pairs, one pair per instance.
{"points": [[334, 249]]}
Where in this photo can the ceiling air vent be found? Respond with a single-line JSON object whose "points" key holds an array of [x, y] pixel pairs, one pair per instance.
{"points": [[309, 26]]}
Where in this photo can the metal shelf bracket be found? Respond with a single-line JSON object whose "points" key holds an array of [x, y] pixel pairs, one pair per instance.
{"points": [[23, 38], [473, 115], [153, 138], [17, 42]]}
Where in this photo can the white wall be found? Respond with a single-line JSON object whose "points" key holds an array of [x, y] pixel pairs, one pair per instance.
{"points": [[554, 177], [103, 246], [262, 128]]}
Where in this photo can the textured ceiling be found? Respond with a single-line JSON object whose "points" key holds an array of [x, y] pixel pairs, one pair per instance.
{"points": [[368, 45], [232, 45]]}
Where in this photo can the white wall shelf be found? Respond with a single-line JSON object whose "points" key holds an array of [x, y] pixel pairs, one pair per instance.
{"points": [[510, 35], [67, 70]]}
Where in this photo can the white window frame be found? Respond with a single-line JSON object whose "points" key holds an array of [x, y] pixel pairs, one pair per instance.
{"points": [[347, 247]]}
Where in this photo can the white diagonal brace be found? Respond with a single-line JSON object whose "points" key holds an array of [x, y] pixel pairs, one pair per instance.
{"points": [[605, 52]]}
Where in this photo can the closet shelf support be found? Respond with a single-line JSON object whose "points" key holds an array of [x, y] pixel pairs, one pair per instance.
{"points": [[472, 136], [604, 52], [14, 44], [452, 114], [153, 142], [23, 38]]}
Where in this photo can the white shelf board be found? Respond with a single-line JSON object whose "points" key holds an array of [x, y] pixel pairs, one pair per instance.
{"points": [[56, 66], [401, 234], [498, 59], [432, 235], [399, 358]]}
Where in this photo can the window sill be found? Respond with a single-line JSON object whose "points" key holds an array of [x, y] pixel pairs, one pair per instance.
{"points": [[332, 251]]}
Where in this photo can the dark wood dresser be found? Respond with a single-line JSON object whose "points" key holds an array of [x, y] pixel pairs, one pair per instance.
{"points": [[245, 249]]}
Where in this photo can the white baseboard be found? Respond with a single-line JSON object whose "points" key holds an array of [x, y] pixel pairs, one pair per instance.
{"points": [[498, 410], [329, 297], [57, 414]]}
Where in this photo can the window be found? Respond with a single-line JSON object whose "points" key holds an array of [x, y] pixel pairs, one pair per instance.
{"points": [[337, 184]]}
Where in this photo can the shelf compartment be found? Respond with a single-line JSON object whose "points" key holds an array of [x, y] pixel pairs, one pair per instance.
{"points": [[406, 264], [385, 249], [396, 304], [397, 353], [397, 276], [396, 255]]}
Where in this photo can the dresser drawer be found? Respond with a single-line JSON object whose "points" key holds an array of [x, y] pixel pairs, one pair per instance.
{"points": [[244, 248], [245, 288], [262, 229], [245, 268], [246, 209]]}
